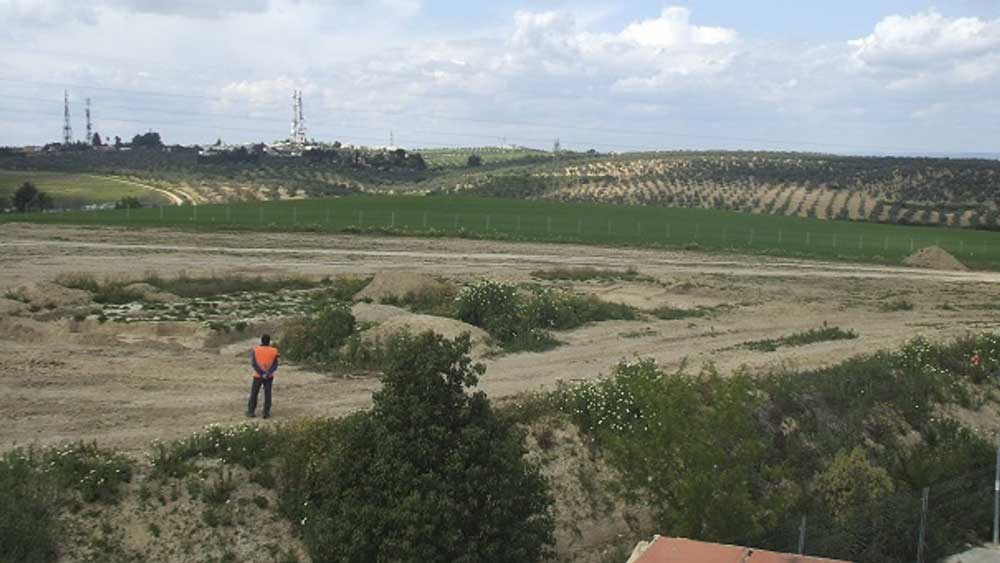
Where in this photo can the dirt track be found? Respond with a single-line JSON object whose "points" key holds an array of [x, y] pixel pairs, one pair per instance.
{"points": [[65, 383]]}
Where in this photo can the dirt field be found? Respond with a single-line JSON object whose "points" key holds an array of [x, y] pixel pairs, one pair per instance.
{"points": [[127, 384]]}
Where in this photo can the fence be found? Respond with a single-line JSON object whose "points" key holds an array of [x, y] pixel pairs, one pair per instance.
{"points": [[592, 224], [923, 525]]}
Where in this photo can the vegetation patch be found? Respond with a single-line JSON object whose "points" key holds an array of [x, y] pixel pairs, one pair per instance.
{"points": [[811, 336], [588, 274], [668, 313], [896, 305], [849, 446], [521, 318]]}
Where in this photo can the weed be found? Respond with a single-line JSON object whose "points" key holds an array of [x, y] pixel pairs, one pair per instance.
{"points": [[154, 530], [669, 313], [896, 305], [802, 338], [587, 274], [219, 490], [261, 502]]}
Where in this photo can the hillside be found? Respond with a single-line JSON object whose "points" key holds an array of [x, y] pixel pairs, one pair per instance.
{"points": [[922, 191]]}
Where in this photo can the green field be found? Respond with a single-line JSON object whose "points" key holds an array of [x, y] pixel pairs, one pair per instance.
{"points": [[74, 190], [543, 221]]}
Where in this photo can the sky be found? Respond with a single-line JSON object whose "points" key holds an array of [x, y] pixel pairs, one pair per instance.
{"points": [[853, 76]]}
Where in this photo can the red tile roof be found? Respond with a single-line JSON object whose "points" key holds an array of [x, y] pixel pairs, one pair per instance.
{"points": [[676, 550]]}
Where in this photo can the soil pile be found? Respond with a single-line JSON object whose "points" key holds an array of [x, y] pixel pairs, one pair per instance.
{"points": [[151, 293], [417, 324], [50, 295], [388, 285], [375, 312], [9, 307], [935, 258]]}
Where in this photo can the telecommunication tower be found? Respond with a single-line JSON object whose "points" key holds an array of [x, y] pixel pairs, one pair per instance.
{"points": [[298, 119], [90, 125], [67, 128]]}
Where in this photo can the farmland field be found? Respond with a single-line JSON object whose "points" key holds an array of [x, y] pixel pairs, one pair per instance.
{"points": [[546, 221], [73, 190]]}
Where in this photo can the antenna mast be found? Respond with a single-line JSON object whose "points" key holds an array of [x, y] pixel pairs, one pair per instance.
{"points": [[67, 128], [90, 126], [302, 122]]}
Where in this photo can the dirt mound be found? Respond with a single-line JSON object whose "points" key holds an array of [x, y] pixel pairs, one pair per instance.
{"points": [[50, 295], [935, 258], [151, 293], [389, 285], [9, 307], [416, 324], [376, 313]]}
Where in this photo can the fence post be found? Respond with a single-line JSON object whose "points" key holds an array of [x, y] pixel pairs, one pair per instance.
{"points": [[456, 223], [885, 244], [668, 230], [861, 242], [128, 213], [609, 226], [194, 213], [911, 244], [697, 229], [229, 217], [835, 240], [779, 238], [802, 536], [487, 222], [923, 524], [519, 223], [327, 215], [996, 498], [361, 217], [579, 226], [751, 237], [725, 231], [425, 219], [548, 224], [808, 236], [638, 229], [161, 213], [295, 215], [392, 220], [260, 214]]}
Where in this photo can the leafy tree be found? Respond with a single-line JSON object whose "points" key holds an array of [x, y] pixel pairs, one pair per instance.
{"points": [[852, 484], [96, 140], [474, 161], [128, 202], [29, 198], [118, 142], [431, 473], [150, 140]]}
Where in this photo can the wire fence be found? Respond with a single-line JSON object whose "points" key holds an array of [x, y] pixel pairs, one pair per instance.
{"points": [[920, 525], [589, 224]]}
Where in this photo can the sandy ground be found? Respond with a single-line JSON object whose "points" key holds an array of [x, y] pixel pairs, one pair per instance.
{"points": [[125, 385]]}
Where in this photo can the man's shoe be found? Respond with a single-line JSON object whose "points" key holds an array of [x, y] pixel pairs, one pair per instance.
{"points": [[267, 415], [251, 415]]}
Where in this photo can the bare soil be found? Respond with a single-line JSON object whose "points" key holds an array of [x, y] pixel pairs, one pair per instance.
{"points": [[124, 384]]}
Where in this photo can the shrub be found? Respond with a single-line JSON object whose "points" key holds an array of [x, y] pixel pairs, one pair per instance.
{"points": [[29, 508], [430, 474], [318, 339], [851, 485], [810, 336], [520, 320], [587, 274]]}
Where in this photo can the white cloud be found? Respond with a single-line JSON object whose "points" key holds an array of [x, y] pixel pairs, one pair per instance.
{"points": [[673, 30], [915, 51]]}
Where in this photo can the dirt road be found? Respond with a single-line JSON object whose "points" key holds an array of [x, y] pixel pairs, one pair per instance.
{"points": [[126, 385]]}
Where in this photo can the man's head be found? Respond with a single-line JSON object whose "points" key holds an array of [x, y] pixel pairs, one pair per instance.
{"points": [[265, 340]]}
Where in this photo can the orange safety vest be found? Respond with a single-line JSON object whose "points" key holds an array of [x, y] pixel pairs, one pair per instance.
{"points": [[265, 357]]}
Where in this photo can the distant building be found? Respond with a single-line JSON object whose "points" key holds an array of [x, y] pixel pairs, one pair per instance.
{"points": [[678, 550]]}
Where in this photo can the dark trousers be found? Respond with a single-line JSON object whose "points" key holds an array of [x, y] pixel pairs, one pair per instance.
{"points": [[259, 382]]}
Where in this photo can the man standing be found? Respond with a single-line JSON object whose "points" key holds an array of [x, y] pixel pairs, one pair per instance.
{"points": [[264, 360]]}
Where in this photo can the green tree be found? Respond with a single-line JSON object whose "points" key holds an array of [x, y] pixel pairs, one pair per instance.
{"points": [[431, 473], [474, 161], [128, 202], [29, 198], [851, 484], [96, 140], [150, 140]]}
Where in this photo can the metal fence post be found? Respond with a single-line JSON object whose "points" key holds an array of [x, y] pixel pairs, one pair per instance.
{"points": [[923, 524], [161, 213], [392, 221], [548, 224], [425, 219], [996, 498], [295, 215], [260, 214], [802, 536]]}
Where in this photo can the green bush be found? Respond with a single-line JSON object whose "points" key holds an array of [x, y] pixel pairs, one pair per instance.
{"points": [[810, 336], [430, 474], [29, 510], [318, 339], [521, 319]]}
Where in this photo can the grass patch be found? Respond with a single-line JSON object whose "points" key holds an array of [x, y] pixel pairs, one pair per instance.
{"points": [[521, 319], [668, 313], [211, 286], [810, 336], [432, 299], [588, 274], [896, 305]]}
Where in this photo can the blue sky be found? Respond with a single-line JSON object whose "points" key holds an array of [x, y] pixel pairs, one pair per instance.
{"points": [[887, 76]]}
